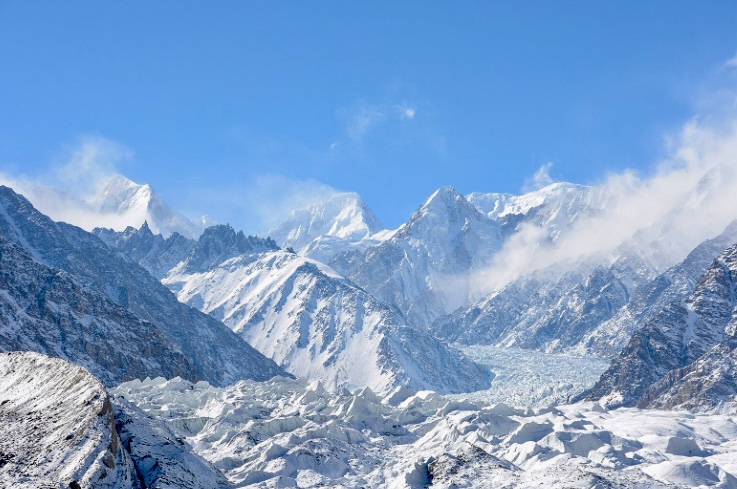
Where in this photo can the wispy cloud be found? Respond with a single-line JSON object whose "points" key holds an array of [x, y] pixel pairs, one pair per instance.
{"points": [[689, 197], [264, 203], [732, 62], [363, 118], [63, 189], [541, 178]]}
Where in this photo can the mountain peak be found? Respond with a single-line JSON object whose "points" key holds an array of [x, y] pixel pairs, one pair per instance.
{"points": [[343, 215]]}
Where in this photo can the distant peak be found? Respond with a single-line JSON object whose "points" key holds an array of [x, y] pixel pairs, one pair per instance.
{"points": [[447, 197]]}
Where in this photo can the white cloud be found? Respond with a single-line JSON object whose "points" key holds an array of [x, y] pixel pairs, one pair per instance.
{"points": [[406, 112], [691, 196], [89, 165], [364, 119], [541, 178], [731, 63], [63, 190]]}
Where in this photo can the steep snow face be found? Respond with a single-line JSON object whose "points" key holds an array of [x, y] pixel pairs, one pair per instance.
{"points": [[554, 207], [319, 325], [217, 354], [57, 427], [287, 433], [344, 215], [140, 203], [678, 335], [424, 267], [46, 310]]}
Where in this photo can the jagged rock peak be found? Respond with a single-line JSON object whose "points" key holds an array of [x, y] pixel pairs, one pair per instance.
{"points": [[221, 242]]}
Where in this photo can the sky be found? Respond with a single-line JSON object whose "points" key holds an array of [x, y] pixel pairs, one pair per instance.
{"points": [[242, 110]]}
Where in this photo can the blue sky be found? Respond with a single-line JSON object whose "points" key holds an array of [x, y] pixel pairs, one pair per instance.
{"points": [[233, 107]]}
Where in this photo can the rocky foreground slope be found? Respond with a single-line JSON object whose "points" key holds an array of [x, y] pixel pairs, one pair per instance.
{"points": [[60, 428]]}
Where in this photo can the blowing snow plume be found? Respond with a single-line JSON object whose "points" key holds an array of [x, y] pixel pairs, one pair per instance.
{"points": [[690, 197], [87, 190]]}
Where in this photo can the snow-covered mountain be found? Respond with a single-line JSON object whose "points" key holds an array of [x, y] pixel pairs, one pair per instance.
{"points": [[45, 310], [120, 203], [318, 325], [554, 207], [341, 223], [135, 204], [689, 337], [592, 307], [424, 267], [344, 215], [215, 353]]}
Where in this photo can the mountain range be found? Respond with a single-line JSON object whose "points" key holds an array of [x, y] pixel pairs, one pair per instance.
{"points": [[374, 317]]}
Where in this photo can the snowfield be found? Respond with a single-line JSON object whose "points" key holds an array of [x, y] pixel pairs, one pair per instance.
{"points": [[288, 433]]}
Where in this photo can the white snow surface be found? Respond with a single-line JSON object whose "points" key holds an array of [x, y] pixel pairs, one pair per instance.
{"points": [[323, 229], [288, 433], [318, 325]]}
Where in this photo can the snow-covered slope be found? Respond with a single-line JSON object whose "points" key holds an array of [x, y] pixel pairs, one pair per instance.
{"points": [[60, 428], [57, 427], [424, 267], [217, 355], [287, 433], [547, 311], [678, 335], [319, 325]]}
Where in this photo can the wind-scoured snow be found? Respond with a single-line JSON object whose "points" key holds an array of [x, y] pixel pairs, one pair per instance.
{"points": [[288, 433]]}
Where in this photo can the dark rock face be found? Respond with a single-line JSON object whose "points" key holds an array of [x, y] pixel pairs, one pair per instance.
{"points": [[221, 242], [215, 353], [685, 351], [44, 310], [151, 251]]}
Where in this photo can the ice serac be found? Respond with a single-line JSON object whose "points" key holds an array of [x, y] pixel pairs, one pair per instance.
{"points": [[291, 433], [423, 268], [216, 354], [318, 324], [676, 344], [45, 310], [57, 427], [140, 203]]}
